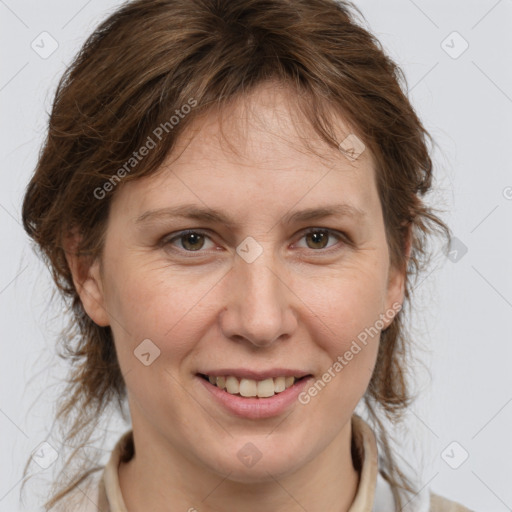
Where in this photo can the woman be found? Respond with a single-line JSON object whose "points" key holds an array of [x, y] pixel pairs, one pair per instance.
{"points": [[230, 200]]}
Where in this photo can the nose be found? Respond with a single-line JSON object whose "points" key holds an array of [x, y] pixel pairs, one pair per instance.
{"points": [[259, 306]]}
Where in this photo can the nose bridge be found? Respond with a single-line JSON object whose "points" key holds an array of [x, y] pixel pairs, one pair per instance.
{"points": [[258, 308]]}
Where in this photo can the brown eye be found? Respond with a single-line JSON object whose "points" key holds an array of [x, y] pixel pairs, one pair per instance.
{"points": [[189, 241], [192, 241], [318, 239]]}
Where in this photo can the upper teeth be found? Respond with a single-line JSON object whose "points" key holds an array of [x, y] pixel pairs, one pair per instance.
{"points": [[249, 387]]}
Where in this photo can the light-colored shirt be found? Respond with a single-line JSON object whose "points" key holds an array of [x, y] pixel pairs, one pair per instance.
{"points": [[103, 492]]}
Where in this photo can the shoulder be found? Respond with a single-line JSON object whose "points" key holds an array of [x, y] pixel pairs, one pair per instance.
{"points": [[99, 491], [440, 504]]}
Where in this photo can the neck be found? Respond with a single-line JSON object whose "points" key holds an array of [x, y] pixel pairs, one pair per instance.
{"points": [[160, 478]]}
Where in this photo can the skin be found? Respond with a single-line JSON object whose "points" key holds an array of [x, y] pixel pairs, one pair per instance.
{"points": [[300, 304]]}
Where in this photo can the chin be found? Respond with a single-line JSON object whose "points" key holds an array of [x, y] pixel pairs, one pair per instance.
{"points": [[250, 464]]}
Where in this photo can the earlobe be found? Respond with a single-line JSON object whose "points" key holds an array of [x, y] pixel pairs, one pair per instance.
{"points": [[88, 284], [92, 296]]}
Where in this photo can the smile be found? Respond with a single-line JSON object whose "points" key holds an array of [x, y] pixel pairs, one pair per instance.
{"points": [[250, 398]]}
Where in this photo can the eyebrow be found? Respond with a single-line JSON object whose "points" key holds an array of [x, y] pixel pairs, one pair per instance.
{"points": [[194, 212]]}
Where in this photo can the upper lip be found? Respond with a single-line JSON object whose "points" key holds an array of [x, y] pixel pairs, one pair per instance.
{"points": [[244, 373]]}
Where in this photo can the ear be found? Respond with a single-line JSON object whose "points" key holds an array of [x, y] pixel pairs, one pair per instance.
{"points": [[396, 281], [87, 279]]}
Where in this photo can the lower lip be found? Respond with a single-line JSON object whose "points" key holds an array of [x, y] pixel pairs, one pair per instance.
{"points": [[254, 407]]}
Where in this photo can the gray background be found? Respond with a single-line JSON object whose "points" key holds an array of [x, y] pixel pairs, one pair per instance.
{"points": [[464, 304]]}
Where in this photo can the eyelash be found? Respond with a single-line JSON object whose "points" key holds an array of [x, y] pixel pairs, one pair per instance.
{"points": [[166, 241]]}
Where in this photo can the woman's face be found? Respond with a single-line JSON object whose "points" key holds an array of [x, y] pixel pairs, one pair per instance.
{"points": [[253, 296]]}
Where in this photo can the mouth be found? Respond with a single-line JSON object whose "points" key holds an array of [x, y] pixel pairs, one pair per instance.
{"points": [[253, 395], [252, 388]]}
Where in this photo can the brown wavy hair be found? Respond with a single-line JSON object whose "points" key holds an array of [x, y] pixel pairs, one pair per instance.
{"points": [[142, 65]]}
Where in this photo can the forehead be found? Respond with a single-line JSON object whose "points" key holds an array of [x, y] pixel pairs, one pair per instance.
{"points": [[265, 126], [257, 147]]}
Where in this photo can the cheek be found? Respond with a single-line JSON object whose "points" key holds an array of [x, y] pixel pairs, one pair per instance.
{"points": [[168, 312], [345, 329], [157, 304], [343, 320]]}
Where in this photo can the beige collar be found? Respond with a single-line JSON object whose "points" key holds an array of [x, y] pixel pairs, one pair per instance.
{"points": [[362, 435]]}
